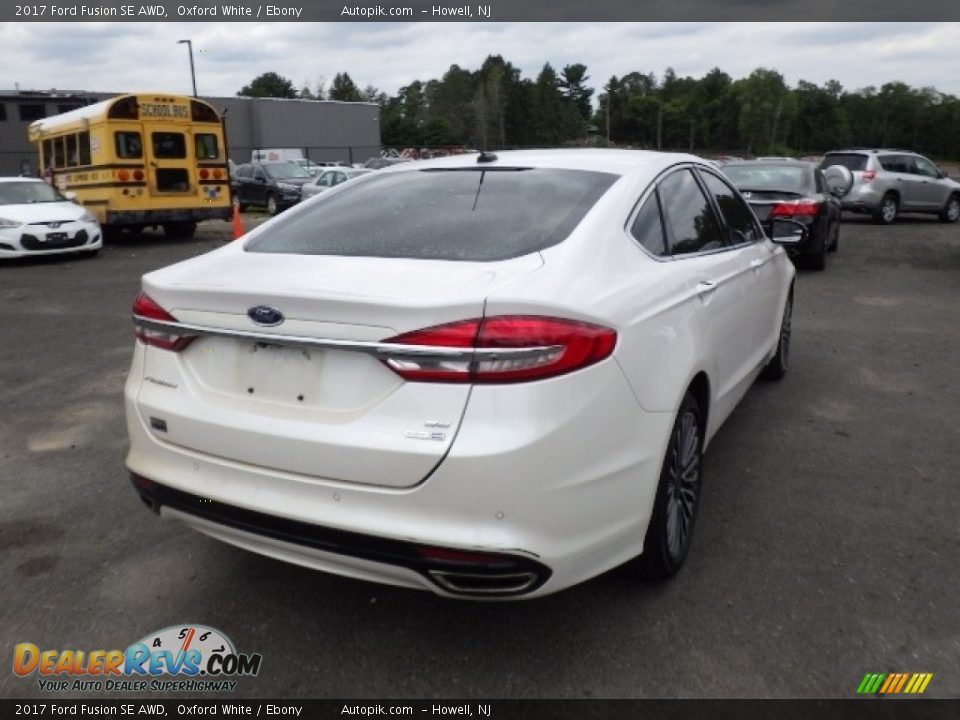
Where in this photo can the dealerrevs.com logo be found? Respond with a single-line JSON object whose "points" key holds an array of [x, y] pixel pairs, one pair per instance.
{"points": [[187, 658]]}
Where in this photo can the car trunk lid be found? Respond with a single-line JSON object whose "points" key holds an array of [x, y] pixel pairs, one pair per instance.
{"points": [[263, 395]]}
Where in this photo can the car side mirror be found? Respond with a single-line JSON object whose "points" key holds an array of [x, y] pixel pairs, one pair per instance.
{"points": [[839, 180], [787, 232]]}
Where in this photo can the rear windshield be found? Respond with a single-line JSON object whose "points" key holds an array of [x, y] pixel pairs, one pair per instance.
{"points": [[286, 170], [851, 161], [439, 214], [769, 176]]}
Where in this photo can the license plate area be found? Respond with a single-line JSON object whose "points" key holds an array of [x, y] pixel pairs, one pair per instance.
{"points": [[280, 373], [56, 237]]}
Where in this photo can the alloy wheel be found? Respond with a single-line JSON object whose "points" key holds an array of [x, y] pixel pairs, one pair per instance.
{"points": [[889, 210], [953, 210], [683, 484]]}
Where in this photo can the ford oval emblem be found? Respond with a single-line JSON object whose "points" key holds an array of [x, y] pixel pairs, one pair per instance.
{"points": [[263, 315]]}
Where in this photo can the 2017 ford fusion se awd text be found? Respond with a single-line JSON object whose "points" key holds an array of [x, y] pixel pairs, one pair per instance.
{"points": [[488, 376]]}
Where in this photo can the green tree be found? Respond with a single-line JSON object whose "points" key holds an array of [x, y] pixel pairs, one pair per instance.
{"points": [[343, 88], [572, 84], [548, 117], [269, 84], [763, 109]]}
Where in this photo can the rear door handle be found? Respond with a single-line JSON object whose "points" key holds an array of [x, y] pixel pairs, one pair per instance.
{"points": [[755, 264], [705, 287]]}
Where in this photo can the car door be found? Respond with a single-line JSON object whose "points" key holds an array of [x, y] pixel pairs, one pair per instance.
{"points": [[746, 240], [898, 177], [258, 188], [241, 181], [932, 192], [725, 278]]}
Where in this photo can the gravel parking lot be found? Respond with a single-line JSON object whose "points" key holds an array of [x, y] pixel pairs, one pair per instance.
{"points": [[827, 546]]}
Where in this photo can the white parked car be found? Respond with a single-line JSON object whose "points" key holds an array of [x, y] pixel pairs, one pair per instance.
{"points": [[330, 177], [35, 219], [486, 377]]}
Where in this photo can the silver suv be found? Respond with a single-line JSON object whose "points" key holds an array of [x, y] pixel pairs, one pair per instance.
{"points": [[889, 182]]}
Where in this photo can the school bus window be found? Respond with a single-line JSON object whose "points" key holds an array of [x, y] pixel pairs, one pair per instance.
{"points": [[73, 159], [169, 145], [59, 156], [128, 145], [206, 146], [47, 153], [83, 141]]}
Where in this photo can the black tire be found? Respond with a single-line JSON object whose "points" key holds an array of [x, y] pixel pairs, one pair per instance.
{"points": [[273, 207], [818, 259], [835, 241], [777, 367], [180, 229], [110, 232], [886, 213], [674, 517], [951, 211]]}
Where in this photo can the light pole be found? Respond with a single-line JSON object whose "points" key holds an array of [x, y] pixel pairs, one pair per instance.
{"points": [[193, 76]]}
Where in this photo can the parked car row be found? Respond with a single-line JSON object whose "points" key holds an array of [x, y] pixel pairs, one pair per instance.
{"points": [[277, 186]]}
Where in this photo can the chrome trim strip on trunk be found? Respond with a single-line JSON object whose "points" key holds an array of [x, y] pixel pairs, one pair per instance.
{"points": [[382, 350]]}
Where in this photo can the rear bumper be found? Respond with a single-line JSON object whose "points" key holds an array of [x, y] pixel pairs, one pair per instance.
{"points": [[151, 217], [556, 484], [862, 198], [459, 573]]}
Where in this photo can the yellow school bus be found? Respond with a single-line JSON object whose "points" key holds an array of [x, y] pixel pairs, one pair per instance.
{"points": [[136, 161]]}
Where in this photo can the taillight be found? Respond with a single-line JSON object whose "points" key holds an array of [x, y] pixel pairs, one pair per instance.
{"points": [[796, 208], [505, 349], [145, 308], [868, 175], [204, 173]]}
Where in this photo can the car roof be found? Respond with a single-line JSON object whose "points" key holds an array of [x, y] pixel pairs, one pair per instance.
{"points": [[771, 163], [867, 151], [619, 162], [19, 178]]}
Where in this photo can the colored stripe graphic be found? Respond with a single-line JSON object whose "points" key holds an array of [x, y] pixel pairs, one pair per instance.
{"points": [[894, 683]]}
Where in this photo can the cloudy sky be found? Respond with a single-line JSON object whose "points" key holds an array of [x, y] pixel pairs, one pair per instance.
{"points": [[126, 56]]}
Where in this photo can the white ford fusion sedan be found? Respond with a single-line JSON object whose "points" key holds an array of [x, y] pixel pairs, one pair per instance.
{"points": [[488, 376]]}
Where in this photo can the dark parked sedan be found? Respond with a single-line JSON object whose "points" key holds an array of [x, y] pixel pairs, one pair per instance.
{"points": [[274, 185], [795, 190]]}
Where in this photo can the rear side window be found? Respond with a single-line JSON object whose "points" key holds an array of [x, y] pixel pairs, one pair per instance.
{"points": [[647, 228], [895, 163], [852, 161], [689, 215], [738, 216], [481, 214]]}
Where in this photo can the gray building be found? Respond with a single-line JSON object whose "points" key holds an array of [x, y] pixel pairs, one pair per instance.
{"points": [[325, 130]]}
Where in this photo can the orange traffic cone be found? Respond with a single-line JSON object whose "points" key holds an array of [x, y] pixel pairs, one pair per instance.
{"points": [[237, 222]]}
